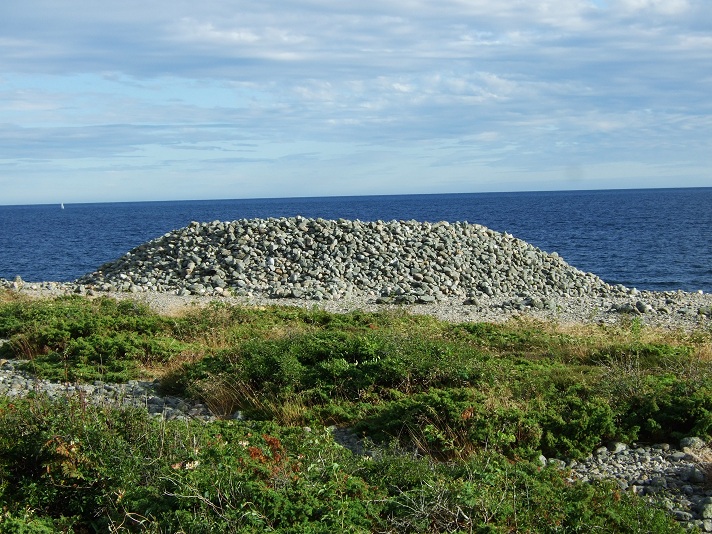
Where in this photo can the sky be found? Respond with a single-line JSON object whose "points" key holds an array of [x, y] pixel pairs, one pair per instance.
{"points": [[167, 100]]}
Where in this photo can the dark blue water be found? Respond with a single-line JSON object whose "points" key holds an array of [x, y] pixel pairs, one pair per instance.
{"points": [[659, 239]]}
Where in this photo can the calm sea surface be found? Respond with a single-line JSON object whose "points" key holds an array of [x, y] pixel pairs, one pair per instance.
{"points": [[659, 239]]}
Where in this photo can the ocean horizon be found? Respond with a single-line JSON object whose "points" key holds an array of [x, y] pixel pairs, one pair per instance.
{"points": [[62, 202], [656, 239]]}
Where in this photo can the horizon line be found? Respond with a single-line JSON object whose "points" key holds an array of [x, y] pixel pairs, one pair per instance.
{"points": [[374, 195]]}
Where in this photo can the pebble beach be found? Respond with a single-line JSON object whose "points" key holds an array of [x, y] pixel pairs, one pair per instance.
{"points": [[456, 272], [672, 309]]}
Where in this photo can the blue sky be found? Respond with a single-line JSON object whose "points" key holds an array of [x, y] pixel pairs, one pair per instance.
{"points": [[162, 100]]}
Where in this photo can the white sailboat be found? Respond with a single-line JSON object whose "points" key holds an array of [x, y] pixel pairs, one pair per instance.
{"points": [[61, 206]]}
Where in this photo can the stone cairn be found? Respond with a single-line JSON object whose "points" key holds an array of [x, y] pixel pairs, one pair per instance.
{"points": [[395, 261]]}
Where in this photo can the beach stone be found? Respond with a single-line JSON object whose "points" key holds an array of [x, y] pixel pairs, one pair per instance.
{"points": [[617, 447], [625, 308], [696, 476], [601, 451], [643, 307], [705, 508], [693, 443]]}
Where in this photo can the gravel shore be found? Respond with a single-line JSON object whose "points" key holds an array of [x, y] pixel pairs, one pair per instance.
{"points": [[454, 271], [673, 310]]}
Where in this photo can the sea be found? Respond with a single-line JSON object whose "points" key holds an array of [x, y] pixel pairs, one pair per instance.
{"points": [[650, 239]]}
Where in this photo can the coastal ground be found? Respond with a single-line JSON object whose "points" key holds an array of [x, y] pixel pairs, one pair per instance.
{"points": [[604, 387], [671, 309]]}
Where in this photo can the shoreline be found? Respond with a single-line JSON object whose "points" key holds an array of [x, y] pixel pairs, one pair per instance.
{"points": [[456, 272], [670, 309]]}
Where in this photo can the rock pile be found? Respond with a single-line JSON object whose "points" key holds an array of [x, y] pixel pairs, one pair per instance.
{"points": [[396, 261]]}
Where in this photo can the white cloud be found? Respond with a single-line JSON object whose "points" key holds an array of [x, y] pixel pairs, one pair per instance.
{"points": [[472, 87], [665, 7]]}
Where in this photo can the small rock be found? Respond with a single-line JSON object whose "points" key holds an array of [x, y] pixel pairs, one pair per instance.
{"points": [[693, 443], [558, 464], [602, 451], [681, 515], [642, 307], [617, 447], [705, 511]]}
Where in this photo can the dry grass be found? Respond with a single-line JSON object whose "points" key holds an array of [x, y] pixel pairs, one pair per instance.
{"points": [[704, 352], [8, 297], [703, 462], [585, 338], [173, 366], [225, 397]]}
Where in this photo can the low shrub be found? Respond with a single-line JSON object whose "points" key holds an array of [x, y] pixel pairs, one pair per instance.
{"points": [[489, 493], [454, 423], [72, 338], [69, 467], [457, 412]]}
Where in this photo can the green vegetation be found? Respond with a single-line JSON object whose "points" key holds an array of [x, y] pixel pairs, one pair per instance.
{"points": [[72, 338], [457, 415]]}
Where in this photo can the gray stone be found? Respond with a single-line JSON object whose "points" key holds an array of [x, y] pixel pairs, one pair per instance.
{"points": [[625, 308], [705, 511], [558, 464], [638, 490], [643, 307], [693, 443], [681, 515], [696, 476], [617, 447], [17, 283]]}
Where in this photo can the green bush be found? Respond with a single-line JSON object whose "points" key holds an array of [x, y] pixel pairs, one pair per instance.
{"points": [[455, 423], [576, 422], [72, 338], [106, 467], [489, 493], [27, 524], [668, 407], [69, 467]]}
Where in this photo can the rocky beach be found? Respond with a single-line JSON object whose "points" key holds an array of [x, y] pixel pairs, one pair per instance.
{"points": [[457, 272]]}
